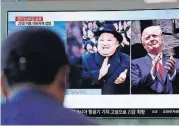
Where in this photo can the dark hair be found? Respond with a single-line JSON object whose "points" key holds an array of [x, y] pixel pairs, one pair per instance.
{"points": [[32, 55]]}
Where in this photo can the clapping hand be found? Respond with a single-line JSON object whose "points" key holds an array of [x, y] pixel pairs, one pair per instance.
{"points": [[121, 78], [104, 69], [120, 26], [170, 66]]}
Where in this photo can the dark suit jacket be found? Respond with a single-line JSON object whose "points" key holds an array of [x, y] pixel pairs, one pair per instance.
{"points": [[34, 107], [118, 63], [142, 82]]}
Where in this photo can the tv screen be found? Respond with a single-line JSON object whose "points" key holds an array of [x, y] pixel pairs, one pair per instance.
{"points": [[124, 64]]}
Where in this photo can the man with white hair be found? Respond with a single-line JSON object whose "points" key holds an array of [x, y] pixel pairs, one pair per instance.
{"points": [[155, 73]]}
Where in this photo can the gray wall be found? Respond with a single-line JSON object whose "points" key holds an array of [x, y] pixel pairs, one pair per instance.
{"points": [[87, 5]]}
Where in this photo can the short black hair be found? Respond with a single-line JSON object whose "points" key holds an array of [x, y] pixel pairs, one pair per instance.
{"points": [[32, 55]]}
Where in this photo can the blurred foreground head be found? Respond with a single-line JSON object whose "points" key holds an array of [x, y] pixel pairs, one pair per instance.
{"points": [[35, 58]]}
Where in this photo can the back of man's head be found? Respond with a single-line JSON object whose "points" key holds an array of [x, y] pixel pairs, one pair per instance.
{"points": [[32, 55]]}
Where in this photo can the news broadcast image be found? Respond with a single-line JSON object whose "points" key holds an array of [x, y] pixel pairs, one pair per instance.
{"points": [[123, 64], [85, 55]]}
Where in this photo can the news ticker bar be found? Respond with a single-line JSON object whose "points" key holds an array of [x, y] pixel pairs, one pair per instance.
{"points": [[162, 113]]}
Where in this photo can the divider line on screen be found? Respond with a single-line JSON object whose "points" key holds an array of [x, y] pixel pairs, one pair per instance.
{"points": [[130, 61]]}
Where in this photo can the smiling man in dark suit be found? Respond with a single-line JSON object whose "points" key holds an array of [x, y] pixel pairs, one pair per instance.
{"points": [[108, 68], [155, 73]]}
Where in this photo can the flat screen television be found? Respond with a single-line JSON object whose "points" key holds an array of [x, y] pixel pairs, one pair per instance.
{"points": [[111, 59]]}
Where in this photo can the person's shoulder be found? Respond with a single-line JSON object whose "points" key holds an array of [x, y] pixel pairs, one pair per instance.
{"points": [[7, 106], [125, 56], [58, 115], [138, 60], [8, 111], [4, 106], [124, 59]]}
